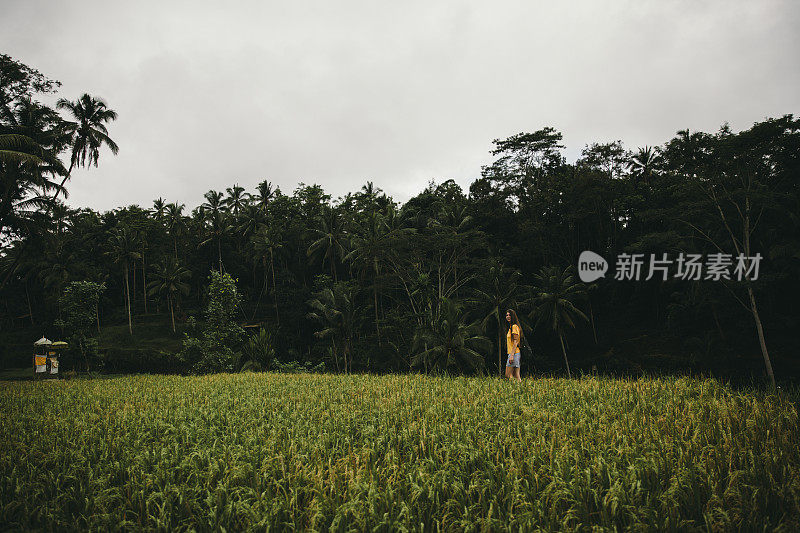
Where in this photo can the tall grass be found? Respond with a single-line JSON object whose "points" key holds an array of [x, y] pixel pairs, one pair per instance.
{"points": [[260, 451]]}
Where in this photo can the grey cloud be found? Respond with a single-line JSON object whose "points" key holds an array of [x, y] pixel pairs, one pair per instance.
{"points": [[341, 92]]}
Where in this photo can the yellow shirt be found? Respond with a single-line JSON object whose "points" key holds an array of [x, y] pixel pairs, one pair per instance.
{"points": [[510, 341]]}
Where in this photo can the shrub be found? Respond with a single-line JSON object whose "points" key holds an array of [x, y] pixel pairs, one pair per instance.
{"points": [[259, 351], [78, 311], [215, 350]]}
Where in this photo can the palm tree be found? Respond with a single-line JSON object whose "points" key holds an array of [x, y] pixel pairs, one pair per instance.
{"points": [[370, 194], [369, 242], [334, 307], [88, 131], [266, 243], [159, 209], [557, 292], [170, 280], [259, 351], [331, 238], [123, 251], [175, 223], [236, 199], [214, 201], [642, 164], [265, 194], [455, 222], [498, 295], [214, 214], [141, 239], [30, 139], [449, 341], [16, 148], [54, 270], [22, 197], [251, 219]]}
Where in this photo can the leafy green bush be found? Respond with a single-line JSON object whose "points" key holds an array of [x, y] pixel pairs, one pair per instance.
{"points": [[215, 350], [259, 351], [78, 314]]}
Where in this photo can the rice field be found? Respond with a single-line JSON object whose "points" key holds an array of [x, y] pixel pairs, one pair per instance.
{"points": [[385, 453]]}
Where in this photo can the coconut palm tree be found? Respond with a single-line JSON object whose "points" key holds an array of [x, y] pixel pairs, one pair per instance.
{"points": [[449, 341], [213, 210], [17, 148], [259, 351], [266, 243], [251, 218], [334, 307], [554, 304], [265, 194], [30, 138], [87, 130], [331, 238], [236, 199], [54, 272], [498, 294], [642, 164], [170, 281], [454, 221], [159, 209], [369, 242], [123, 252], [175, 223]]}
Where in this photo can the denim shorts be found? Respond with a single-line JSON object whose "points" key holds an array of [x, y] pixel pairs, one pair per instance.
{"points": [[514, 362]]}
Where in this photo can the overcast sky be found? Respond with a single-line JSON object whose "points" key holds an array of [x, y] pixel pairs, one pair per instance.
{"points": [[340, 92]]}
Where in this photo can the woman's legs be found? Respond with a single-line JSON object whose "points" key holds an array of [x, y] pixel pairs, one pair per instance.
{"points": [[512, 372]]}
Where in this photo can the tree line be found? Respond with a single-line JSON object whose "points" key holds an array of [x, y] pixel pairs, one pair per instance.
{"points": [[365, 283]]}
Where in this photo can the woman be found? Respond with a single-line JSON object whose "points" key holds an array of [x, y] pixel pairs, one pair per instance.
{"points": [[513, 340]]}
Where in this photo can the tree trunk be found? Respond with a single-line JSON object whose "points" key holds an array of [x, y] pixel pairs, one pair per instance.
{"points": [[591, 314], [144, 281], [274, 290], [753, 308], [375, 302], [28, 297], [171, 312], [499, 346], [263, 287], [761, 340], [335, 356], [219, 253], [133, 296], [128, 294], [561, 338]]}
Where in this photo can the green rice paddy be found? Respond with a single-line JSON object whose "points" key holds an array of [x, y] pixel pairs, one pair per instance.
{"points": [[384, 453]]}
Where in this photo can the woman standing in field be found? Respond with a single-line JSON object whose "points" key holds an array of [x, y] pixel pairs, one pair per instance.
{"points": [[513, 340]]}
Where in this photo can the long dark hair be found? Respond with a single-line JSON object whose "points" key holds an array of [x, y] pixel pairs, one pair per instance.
{"points": [[515, 320]]}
